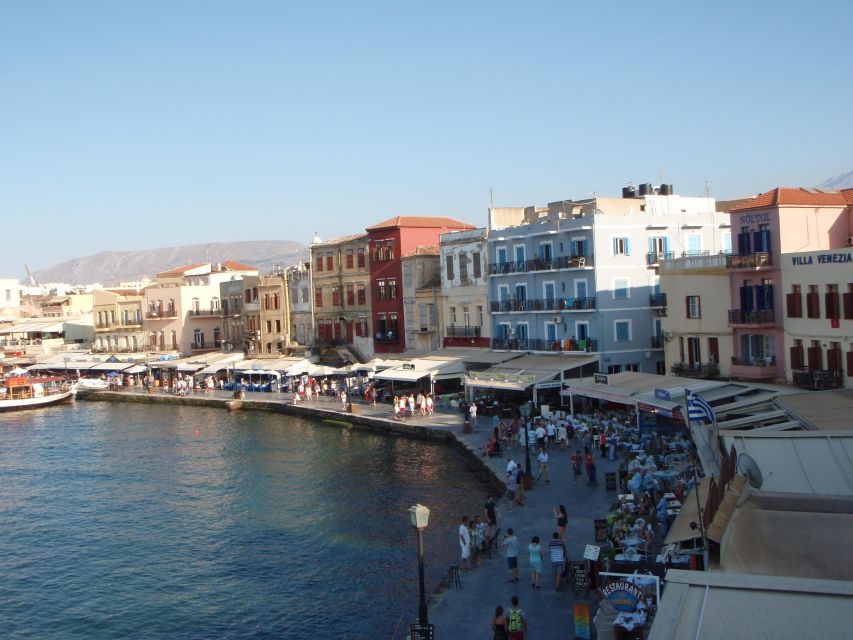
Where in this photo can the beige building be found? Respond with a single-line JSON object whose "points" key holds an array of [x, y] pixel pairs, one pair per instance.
{"points": [[266, 314], [299, 285], [183, 310], [10, 300], [694, 328], [422, 299], [465, 289], [118, 321], [340, 281], [818, 321], [73, 305]]}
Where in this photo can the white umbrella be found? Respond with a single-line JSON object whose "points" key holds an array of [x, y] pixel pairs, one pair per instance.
{"points": [[17, 371]]}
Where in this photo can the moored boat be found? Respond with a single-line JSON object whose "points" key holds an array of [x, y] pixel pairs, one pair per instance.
{"points": [[25, 392]]}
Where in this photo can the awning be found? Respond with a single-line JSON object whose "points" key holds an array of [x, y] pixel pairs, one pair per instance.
{"points": [[137, 368], [108, 366], [34, 327], [436, 368], [542, 371]]}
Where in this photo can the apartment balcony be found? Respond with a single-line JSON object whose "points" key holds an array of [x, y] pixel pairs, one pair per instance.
{"points": [[205, 313], [461, 332], [755, 368], [538, 344], [118, 349], [106, 326], [818, 379], [386, 339], [750, 261], [165, 314], [547, 304], [526, 266], [657, 300], [752, 317], [654, 258], [657, 342], [696, 370]]}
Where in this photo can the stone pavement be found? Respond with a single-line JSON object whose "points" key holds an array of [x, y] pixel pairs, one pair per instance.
{"points": [[467, 612]]}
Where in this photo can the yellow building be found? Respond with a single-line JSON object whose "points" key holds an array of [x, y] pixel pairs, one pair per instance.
{"points": [[695, 332], [118, 321]]}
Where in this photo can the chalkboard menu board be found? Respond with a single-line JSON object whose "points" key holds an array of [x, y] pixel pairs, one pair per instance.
{"points": [[580, 576]]}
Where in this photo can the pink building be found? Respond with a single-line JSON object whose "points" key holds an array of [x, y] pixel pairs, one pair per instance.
{"points": [[779, 221]]}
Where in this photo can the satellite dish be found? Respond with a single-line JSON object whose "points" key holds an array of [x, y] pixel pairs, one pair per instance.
{"points": [[748, 468]]}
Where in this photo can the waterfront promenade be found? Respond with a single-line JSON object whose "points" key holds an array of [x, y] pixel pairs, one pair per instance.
{"points": [[467, 612]]}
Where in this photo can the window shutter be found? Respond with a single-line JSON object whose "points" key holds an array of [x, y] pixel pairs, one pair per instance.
{"points": [[698, 307], [686, 306], [615, 246], [627, 246]]}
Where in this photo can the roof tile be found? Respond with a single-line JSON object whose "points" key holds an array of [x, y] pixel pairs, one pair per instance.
{"points": [[422, 222], [793, 197]]}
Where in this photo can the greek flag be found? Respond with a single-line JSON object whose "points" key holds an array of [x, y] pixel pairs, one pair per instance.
{"points": [[698, 409]]}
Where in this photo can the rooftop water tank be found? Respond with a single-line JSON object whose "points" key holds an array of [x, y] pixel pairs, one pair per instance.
{"points": [[646, 189], [666, 190], [629, 192]]}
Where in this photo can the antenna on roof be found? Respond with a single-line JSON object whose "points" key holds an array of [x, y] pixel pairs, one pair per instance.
{"points": [[491, 198], [707, 189]]}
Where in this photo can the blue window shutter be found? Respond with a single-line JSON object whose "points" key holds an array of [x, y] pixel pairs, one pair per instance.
{"points": [[651, 245], [627, 246], [615, 246], [666, 244]]}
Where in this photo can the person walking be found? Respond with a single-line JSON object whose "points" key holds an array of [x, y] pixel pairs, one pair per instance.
{"points": [[510, 543], [542, 461], [511, 484], [464, 543], [516, 621], [535, 554], [562, 520], [590, 467], [499, 625], [576, 465], [472, 411], [429, 404], [551, 433], [557, 551], [344, 400], [412, 405]]}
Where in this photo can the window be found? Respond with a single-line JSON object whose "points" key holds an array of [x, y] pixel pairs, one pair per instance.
{"points": [[620, 288], [794, 302], [449, 266], [384, 250], [614, 368], [336, 296], [502, 255], [362, 294], [319, 263], [350, 295], [632, 367], [318, 297], [453, 315], [694, 309], [463, 268], [727, 243], [278, 326], [578, 248], [621, 247], [361, 327], [330, 261], [392, 289], [832, 302], [797, 355], [350, 259], [305, 294], [466, 316], [622, 330], [198, 339], [813, 302], [269, 326], [380, 290], [479, 316], [360, 258], [694, 352], [477, 265], [519, 253]]}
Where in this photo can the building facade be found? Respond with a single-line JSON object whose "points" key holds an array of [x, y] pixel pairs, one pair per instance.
{"points": [[818, 318], [774, 223], [465, 289], [231, 315], [696, 335], [118, 321], [582, 275], [266, 314], [340, 281], [10, 300], [389, 241], [301, 323], [421, 299], [183, 311]]}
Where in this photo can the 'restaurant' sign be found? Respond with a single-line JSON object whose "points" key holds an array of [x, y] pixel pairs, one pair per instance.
{"points": [[623, 595]]}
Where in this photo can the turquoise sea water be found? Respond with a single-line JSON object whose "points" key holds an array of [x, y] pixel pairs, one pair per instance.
{"points": [[139, 521]]}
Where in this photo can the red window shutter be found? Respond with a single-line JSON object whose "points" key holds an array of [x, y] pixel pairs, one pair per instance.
{"points": [[848, 306], [686, 306], [850, 363]]}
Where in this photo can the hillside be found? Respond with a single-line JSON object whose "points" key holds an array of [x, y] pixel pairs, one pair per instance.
{"points": [[841, 181], [112, 267]]}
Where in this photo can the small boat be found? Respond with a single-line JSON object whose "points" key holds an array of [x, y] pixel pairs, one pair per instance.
{"points": [[25, 392], [86, 385]]}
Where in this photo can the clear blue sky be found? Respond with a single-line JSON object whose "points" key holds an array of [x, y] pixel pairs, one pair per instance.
{"points": [[147, 124]]}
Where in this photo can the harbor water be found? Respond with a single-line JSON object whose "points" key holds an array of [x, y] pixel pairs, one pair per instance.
{"points": [[147, 521]]}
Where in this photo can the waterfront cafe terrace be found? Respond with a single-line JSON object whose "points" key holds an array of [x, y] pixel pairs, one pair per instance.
{"points": [[514, 380]]}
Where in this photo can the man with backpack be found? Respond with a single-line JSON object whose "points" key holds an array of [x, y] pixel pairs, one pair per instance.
{"points": [[516, 621]]}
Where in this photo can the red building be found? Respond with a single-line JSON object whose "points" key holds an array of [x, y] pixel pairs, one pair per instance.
{"points": [[389, 242]]}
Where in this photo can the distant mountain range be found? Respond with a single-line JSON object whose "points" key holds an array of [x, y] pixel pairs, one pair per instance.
{"points": [[112, 267], [841, 181]]}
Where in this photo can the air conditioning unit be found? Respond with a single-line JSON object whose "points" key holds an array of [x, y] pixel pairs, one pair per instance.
{"points": [[850, 241], [558, 320], [667, 335]]}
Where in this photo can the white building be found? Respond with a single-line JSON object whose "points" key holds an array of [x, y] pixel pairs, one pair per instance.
{"points": [[465, 289]]}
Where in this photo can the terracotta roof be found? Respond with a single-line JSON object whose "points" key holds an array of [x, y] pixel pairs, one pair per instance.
{"points": [[422, 222], [231, 265], [179, 271], [339, 240], [848, 195], [793, 197], [423, 250]]}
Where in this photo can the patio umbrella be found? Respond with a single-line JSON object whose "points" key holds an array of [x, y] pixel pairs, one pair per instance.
{"points": [[112, 374], [17, 371]]}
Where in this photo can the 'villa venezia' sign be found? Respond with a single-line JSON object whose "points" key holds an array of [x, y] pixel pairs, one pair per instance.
{"points": [[827, 258]]}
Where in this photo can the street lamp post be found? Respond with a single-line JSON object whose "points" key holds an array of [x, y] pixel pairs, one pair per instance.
{"points": [[525, 411], [419, 516]]}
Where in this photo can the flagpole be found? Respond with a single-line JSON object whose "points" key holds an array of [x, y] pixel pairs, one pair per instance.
{"points": [[695, 462]]}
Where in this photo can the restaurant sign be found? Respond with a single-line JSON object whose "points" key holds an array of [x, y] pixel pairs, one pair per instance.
{"points": [[600, 378], [623, 595], [408, 366]]}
